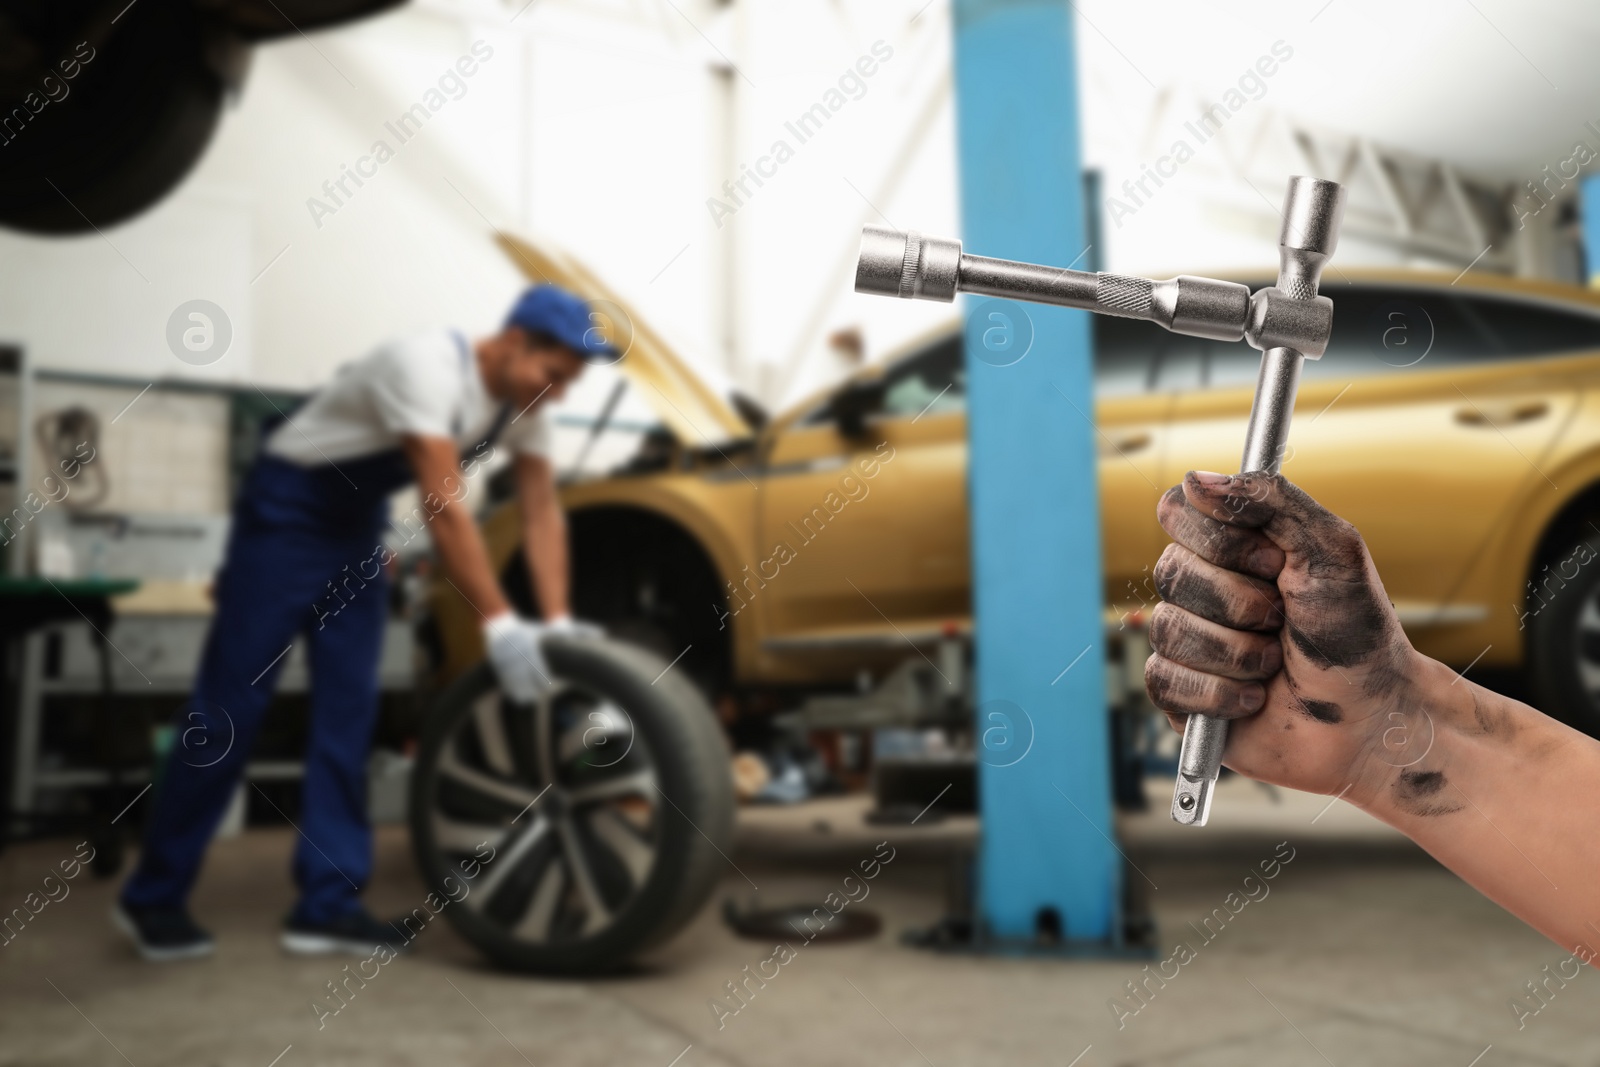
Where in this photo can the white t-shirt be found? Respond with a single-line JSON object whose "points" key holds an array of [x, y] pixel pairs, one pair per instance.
{"points": [[427, 384]]}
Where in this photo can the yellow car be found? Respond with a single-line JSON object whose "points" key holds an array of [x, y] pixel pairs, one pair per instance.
{"points": [[1455, 422]]}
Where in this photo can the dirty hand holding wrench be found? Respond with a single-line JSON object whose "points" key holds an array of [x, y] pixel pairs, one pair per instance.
{"points": [[1274, 618]]}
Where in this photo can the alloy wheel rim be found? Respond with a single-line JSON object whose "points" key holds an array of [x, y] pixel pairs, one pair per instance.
{"points": [[564, 793], [1586, 647]]}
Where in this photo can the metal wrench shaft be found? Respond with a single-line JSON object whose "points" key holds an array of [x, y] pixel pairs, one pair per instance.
{"points": [[1312, 211]]}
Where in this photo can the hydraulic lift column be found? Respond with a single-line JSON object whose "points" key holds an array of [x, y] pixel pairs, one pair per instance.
{"points": [[1046, 847], [1589, 217]]}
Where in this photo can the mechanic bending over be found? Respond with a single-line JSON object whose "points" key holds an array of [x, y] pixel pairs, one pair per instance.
{"points": [[312, 510], [1274, 617]]}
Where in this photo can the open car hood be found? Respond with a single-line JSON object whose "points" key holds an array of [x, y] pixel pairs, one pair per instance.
{"points": [[686, 403]]}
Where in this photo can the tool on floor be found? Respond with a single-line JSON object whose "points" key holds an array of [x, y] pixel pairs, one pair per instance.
{"points": [[1288, 322]]}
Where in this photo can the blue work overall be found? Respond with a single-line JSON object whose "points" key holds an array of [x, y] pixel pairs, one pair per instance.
{"points": [[304, 540]]}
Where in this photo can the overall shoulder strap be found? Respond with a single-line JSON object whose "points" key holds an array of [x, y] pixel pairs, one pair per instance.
{"points": [[502, 418]]}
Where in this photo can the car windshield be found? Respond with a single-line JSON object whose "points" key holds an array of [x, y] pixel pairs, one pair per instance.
{"points": [[1388, 329], [1377, 330], [932, 381]]}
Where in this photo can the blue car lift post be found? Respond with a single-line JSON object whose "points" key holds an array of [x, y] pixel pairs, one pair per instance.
{"points": [[1049, 875], [1589, 219]]}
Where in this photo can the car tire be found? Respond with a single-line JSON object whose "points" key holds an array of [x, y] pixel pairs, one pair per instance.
{"points": [[649, 819], [1562, 623], [134, 121], [642, 633], [656, 639]]}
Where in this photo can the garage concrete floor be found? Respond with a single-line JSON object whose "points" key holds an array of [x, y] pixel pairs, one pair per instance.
{"points": [[1363, 952]]}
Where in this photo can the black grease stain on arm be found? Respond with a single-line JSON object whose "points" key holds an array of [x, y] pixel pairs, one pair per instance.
{"points": [[1338, 625], [1422, 783], [1322, 710], [1418, 793], [1389, 681], [1491, 716]]}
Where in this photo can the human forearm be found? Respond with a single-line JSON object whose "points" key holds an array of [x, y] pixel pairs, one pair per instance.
{"points": [[545, 544], [455, 534], [544, 535], [1501, 794], [466, 562], [1274, 617]]}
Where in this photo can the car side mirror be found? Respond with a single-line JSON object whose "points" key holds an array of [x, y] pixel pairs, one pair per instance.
{"points": [[851, 405]]}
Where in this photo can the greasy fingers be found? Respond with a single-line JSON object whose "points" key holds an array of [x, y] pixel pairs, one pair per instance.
{"points": [[1323, 544], [1191, 641], [1237, 601], [1208, 531], [1177, 689], [1337, 613]]}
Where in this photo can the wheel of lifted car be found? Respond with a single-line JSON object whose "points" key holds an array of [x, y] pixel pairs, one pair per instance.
{"points": [[121, 129], [570, 835], [1563, 631]]}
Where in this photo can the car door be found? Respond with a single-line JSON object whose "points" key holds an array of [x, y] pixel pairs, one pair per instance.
{"points": [[874, 526], [1136, 365], [904, 554], [1419, 425]]}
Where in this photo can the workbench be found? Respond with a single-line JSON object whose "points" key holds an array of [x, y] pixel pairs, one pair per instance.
{"points": [[154, 634], [27, 605]]}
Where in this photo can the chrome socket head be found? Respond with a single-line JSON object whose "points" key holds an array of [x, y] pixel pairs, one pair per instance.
{"points": [[909, 265]]}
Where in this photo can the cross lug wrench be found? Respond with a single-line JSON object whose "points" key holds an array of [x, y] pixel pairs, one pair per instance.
{"points": [[1287, 322]]}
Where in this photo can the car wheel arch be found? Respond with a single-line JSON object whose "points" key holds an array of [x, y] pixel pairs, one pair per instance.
{"points": [[618, 548], [1578, 519], [1539, 523]]}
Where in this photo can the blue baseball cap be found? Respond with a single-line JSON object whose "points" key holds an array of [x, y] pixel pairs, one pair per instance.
{"points": [[551, 310]]}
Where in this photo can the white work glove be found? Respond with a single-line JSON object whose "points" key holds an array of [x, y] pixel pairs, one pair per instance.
{"points": [[516, 650], [567, 626]]}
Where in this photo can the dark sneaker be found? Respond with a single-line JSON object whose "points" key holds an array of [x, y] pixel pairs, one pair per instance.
{"points": [[163, 934], [356, 933]]}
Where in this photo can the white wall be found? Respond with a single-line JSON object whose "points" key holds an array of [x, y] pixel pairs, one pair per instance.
{"points": [[101, 302]]}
